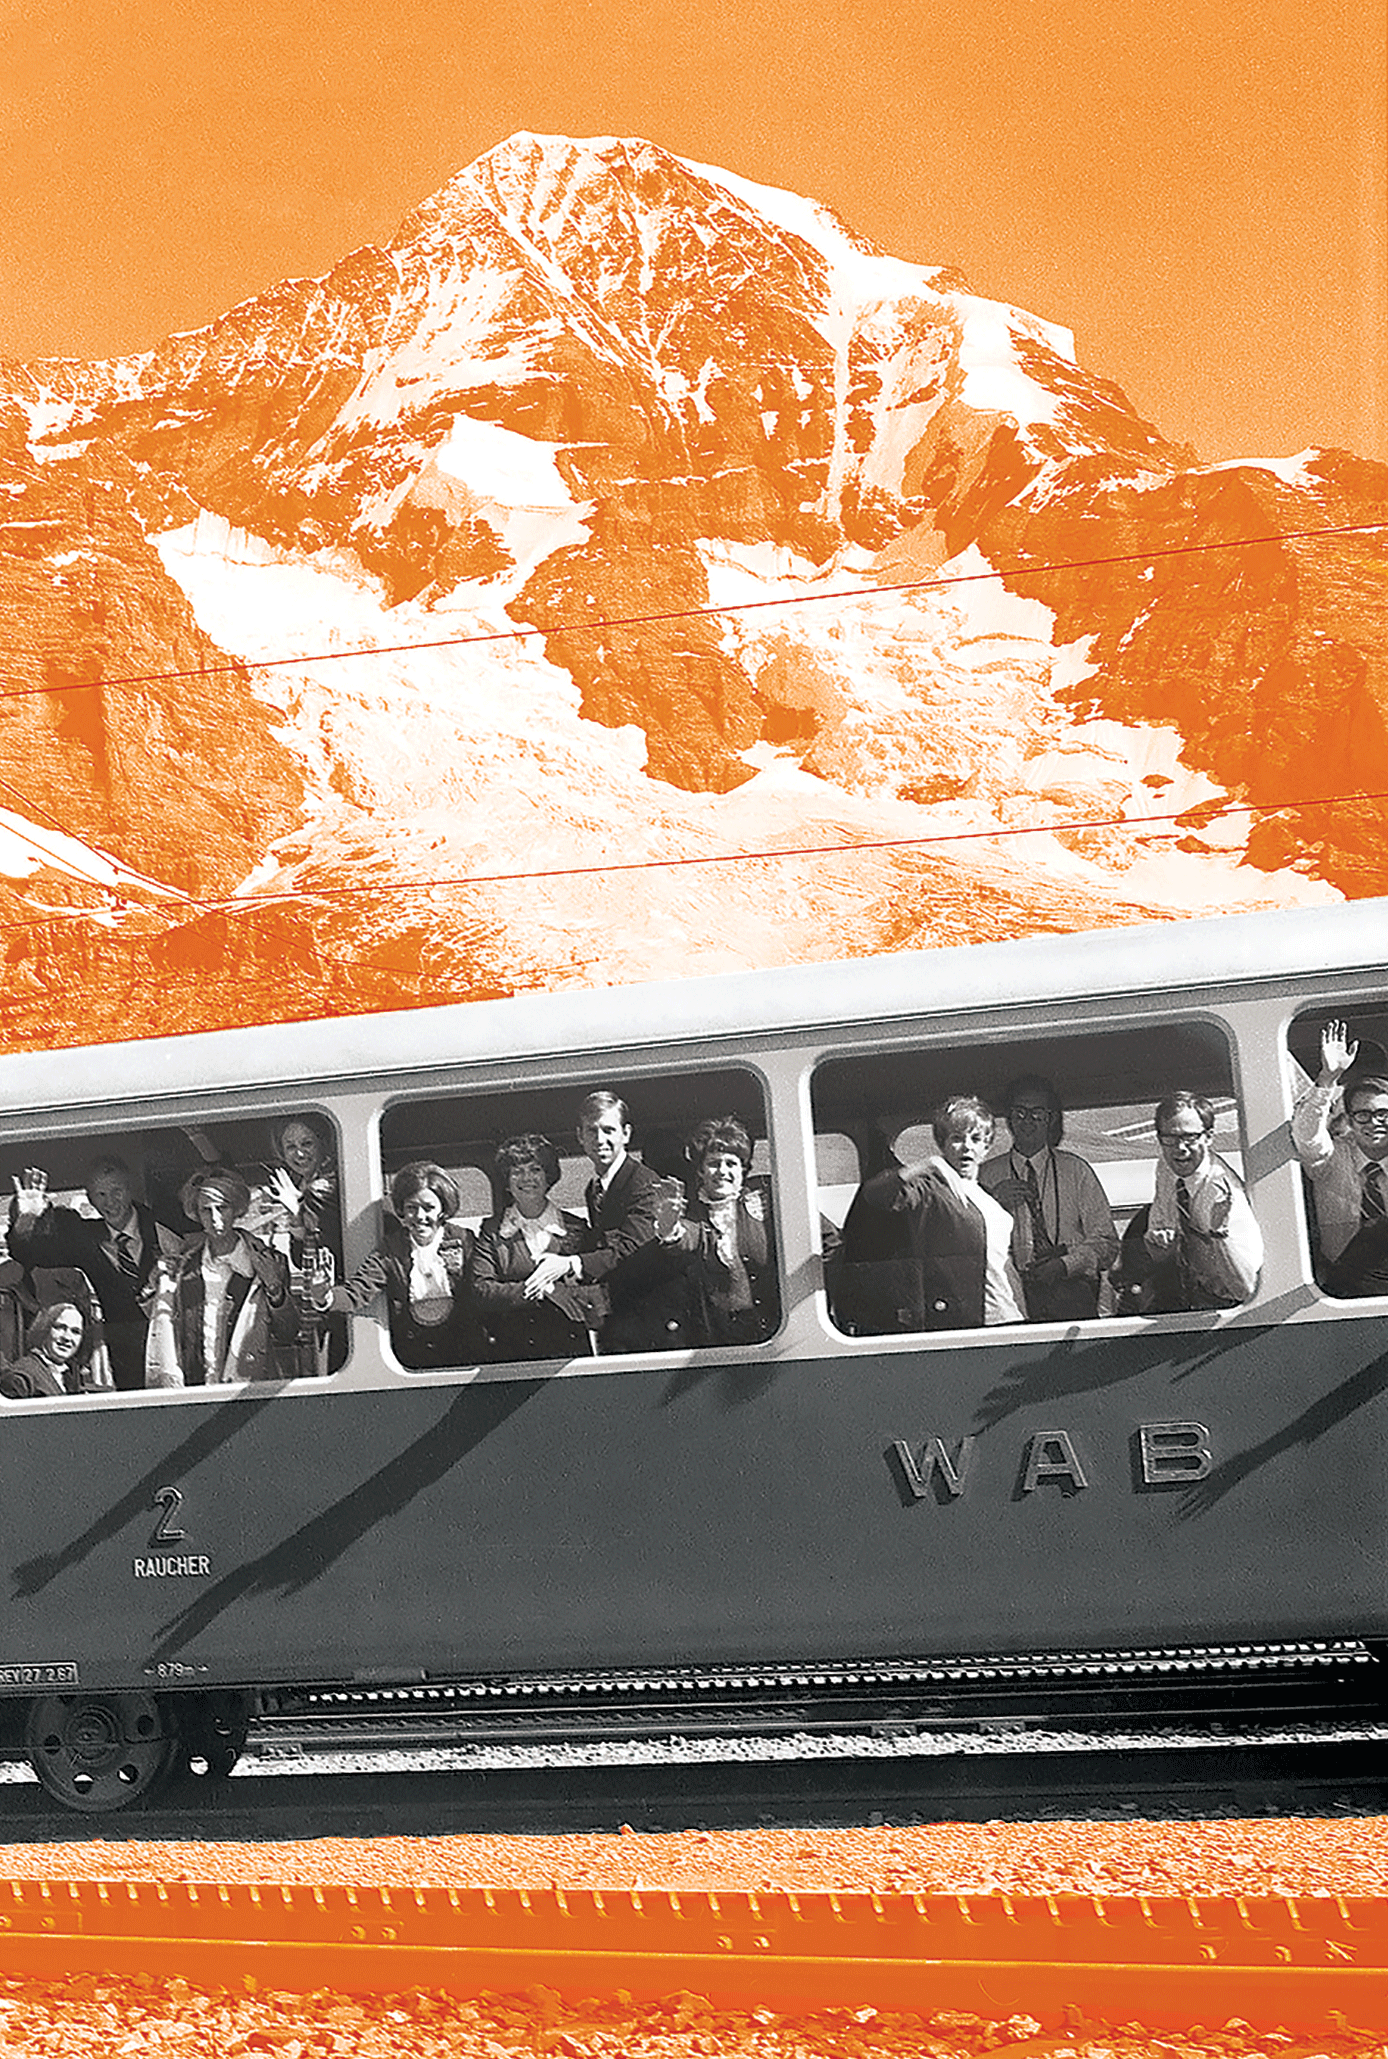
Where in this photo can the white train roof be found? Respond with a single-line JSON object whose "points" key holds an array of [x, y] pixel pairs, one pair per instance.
{"points": [[1267, 949]]}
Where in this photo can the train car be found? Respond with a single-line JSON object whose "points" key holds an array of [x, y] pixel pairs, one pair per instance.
{"points": [[820, 1486]]}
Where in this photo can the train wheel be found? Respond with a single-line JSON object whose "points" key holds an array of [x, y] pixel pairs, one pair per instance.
{"points": [[212, 1731], [99, 1751]]}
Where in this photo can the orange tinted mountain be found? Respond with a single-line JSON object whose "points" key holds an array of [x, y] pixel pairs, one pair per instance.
{"points": [[675, 521]]}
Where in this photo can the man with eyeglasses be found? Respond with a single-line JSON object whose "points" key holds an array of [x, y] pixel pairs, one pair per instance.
{"points": [[1064, 1241], [1346, 1169], [1201, 1223]]}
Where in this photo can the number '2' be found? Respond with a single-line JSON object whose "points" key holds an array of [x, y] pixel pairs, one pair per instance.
{"points": [[170, 1499]]}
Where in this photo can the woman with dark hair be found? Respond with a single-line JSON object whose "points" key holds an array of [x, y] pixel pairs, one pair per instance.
{"points": [[55, 1362], [924, 1247], [422, 1268], [222, 1308], [709, 1275], [511, 1243]]}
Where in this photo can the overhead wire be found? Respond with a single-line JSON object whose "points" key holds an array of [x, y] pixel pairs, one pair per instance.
{"points": [[68, 864], [1199, 814], [596, 624]]}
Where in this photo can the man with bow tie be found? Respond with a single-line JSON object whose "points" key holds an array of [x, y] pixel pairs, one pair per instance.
{"points": [[1346, 1168]]}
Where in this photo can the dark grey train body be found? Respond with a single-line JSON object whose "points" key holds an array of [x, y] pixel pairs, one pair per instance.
{"points": [[1182, 1480]]}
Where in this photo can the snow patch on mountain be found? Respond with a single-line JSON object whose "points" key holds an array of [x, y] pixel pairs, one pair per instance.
{"points": [[54, 408], [1291, 471], [994, 382], [951, 691], [858, 271], [29, 847], [445, 352], [507, 469]]}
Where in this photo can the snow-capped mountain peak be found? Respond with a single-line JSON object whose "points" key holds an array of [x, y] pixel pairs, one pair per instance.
{"points": [[591, 384]]}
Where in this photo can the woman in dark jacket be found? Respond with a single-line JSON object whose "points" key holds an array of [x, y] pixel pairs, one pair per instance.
{"points": [[222, 1309], [709, 1275], [422, 1268], [55, 1363], [509, 1246]]}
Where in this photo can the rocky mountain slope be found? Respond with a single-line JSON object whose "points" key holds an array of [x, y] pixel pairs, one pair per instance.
{"points": [[620, 514]]}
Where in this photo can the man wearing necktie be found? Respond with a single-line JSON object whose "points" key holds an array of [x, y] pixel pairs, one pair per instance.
{"points": [[1345, 1168], [621, 1198], [1064, 1240], [117, 1251], [1200, 1219]]}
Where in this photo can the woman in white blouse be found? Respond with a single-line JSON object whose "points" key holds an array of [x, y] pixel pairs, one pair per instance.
{"points": [[423, 1268], [509, 1246]]}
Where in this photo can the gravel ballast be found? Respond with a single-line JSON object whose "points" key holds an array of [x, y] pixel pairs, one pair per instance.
{"points": [[90, 2016]]}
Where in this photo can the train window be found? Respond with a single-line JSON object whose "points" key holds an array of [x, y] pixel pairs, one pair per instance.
{"points": [[171, 1257], [575, 1221], [1126, 1215], [1339, 1070]]}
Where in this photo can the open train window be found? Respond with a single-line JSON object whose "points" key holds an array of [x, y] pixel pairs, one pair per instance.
{"points": [[1086, 1212], [170, 1257], [1339, 1066], [582, 1220]]}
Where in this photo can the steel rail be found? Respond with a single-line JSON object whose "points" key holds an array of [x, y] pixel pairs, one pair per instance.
{"points": [[1276, 1684], [359, 1725], [1313, 1964]]}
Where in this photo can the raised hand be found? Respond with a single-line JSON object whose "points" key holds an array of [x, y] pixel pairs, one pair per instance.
{"points": [[285, 1192], [31, 1191], [319, 1280], [1337, 1053], [572, 1300]]}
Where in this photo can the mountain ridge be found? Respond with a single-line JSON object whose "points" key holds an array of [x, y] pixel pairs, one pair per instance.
{"points": [[592, 380]]}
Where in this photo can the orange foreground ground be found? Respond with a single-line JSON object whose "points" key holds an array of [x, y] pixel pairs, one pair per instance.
{"points": [[1344, 1855]]}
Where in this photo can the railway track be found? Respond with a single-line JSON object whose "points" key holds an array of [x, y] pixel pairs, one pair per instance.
{"points": [[1246, 1686], [1312, 1965], [1316, 1965], [98, 1753]]}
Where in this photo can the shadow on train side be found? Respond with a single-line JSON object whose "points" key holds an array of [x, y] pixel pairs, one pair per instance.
{"points": [[1323, 1414], [1083, 1363], [211, 1432], [297, 1560], [732, 1385], [747, 1380]]}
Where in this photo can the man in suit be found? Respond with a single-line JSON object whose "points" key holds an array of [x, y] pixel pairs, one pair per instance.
{"points": [[118, 1252], [1065, 1240], [1201, 1230], [621, 1197], [1346, 1166]]}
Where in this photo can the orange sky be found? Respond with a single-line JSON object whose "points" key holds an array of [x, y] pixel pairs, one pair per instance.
{"points": [[1196, 189]]}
